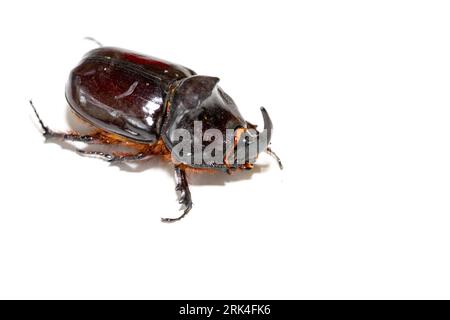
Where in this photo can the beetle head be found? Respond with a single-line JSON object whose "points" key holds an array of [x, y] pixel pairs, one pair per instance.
{"points": [[198, 101]]}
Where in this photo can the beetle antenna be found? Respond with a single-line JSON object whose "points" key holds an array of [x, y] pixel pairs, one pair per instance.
{"points": [[43, 126], [94, 40], [274, 155]]}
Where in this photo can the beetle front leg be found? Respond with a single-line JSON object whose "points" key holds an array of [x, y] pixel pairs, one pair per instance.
{"points": [[274, 155], [185, 194], [49, 133]]}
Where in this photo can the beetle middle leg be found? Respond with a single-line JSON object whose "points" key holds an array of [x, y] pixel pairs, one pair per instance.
{"points": [[185, 194]]}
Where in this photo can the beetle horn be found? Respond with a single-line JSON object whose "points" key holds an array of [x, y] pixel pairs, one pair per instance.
{"points": [[264, 143]]}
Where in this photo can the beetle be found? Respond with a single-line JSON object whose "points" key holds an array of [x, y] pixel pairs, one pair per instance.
{"points": [[141, 102]]}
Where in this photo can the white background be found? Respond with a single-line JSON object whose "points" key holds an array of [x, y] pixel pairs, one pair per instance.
{"points": [[359, 93]]}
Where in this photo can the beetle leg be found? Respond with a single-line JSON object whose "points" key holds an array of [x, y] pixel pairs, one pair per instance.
{"points": [[48, 133], [113, 157], [94, 40], [274, 155], [185, 195]]}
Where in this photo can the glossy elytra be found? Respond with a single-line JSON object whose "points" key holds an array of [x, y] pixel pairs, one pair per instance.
{"points": [[140, 102]]}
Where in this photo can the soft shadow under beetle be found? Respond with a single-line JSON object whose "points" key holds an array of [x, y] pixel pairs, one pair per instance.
{"points": [[142, 102]]}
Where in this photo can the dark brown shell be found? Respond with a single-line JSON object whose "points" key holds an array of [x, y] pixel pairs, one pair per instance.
{"points": [[123, 92]]}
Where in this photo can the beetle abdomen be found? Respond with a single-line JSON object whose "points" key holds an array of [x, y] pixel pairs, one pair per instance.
{"points": [[123, 92]]}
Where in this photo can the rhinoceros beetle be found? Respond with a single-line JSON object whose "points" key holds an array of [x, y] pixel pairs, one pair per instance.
{"points": [[151, 106]]}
